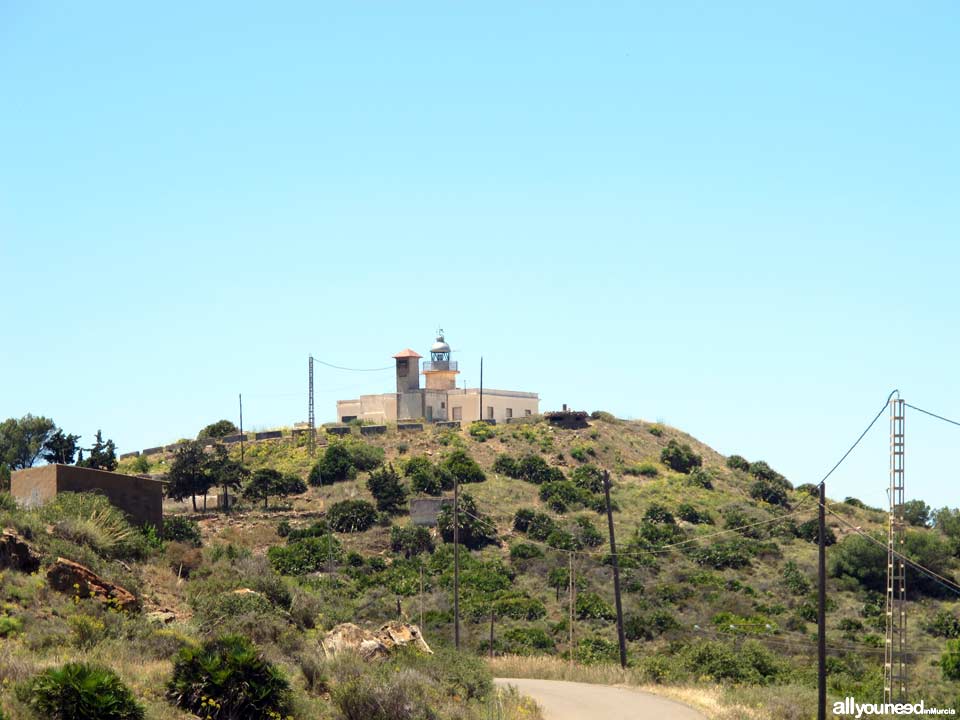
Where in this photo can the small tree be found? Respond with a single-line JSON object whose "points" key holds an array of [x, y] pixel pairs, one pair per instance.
{"points": [[475, 529], [738, 462], [349, 516], [384, 484], [61, 448], [463, 467], [22, 441], [680, 457], [188, 476], [218, 430], [266, 482], [917, 513], [225, 472], [103, 455], [336, 465]]}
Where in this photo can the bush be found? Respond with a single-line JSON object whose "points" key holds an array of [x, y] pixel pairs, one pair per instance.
{"points": [[680, 457], [657, 513], [587, 533], [735, 553], [89, 519], [481, 431], [79, 691], [228, 678], [522, 519], [648, 627], [590, 606], [565, 492], [795, 582], [655, 430], [463, 467], [178, 528], [528, 641], [699, 477], [384, 484], [944, 624], [217, 430], [562, 540], [916, 513], [525, 551], [950, 661], [318, 528], [769, 492], [425, 477], [588, 477], [365, 457], [864, 561], [411, 540], [540, 527], [475, 528], [336, 465], [596, 650], [536, 470], [762, 471], [686, 511], [644, 469], [809, 530], [302, 557], [519, 607], [348, 516], [752, 663], [738, 462]]}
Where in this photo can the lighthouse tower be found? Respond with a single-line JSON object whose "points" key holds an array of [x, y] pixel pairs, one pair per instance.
{"points": [[441, 372]]}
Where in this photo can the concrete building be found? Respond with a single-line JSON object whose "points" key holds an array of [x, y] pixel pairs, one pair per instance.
{"points": [[140, 498], [440, 398]]}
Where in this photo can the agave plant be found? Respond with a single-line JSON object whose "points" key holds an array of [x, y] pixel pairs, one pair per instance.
{"points": [[80, 691], [87, 519]]}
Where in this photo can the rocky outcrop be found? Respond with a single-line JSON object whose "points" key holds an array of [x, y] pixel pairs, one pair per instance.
{"points": [[80, 581], [17, 554], [347, 637]]}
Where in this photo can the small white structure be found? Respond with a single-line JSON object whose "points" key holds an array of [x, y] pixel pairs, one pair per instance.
{"points": [[440, 399]]}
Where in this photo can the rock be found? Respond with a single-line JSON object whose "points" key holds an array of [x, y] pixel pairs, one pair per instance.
{"points": [[161, 617], [73, 578], [397, 633], [16, 553], [347, 637]]}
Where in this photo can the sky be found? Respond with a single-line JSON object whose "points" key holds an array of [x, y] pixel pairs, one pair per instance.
{"points": [[740, 219]]}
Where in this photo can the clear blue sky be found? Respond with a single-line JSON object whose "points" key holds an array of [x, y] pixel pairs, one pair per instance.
{"points": [[740, 220]]}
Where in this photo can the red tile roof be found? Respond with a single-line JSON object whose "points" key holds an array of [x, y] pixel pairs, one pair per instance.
{"points": [[408, 353]]}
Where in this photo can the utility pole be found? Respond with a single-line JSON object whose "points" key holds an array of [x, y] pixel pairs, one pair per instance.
{"points": [[456, 562], [480, 416], [421, 597], [571, 590], [311, 419], [616, 572], [894, 665], [822, 608], [491, 631], [241, 427]]}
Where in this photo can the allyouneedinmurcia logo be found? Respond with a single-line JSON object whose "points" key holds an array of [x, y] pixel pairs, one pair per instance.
{"points": [[857, 710]]}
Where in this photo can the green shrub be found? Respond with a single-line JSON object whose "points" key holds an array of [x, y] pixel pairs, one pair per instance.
{"points": [[699, 477], [519, 607], [864, 561], [950, 661], [944, 624], [217, 430], [481, 431], [564, 490], [475, 528], [794, 581], [656, 430], [649, 626], [79, 691], [762, 471], [89, 519], [302, 557], [522, 519], [87, 631], [10, 625], [540, 526], [384, 484], [411, 540], [769, 492], [463, 467], [595, 650], [680, 457], [336, 465], [349, 516], [644, 469], [686, 511], [738, 462], [505, 464], [525, 551], [528, 641], [810, 531], [365, 457], [318, 528], [562, 540], [587, 533], [590, 606], [752, 663], [734, 553], [228, 678], [536, 470], [658, 513], [588, 477], [178, 528]]}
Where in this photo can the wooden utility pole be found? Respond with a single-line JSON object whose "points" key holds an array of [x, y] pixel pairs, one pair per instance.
{"points": [[241, 427], [571, 585], [421, 597], [616, 572], [491, 631], [480, 416], [456, 562], [822, 610]]}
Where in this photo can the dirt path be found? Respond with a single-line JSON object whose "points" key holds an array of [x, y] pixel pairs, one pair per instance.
{"points": [[562, 700]]}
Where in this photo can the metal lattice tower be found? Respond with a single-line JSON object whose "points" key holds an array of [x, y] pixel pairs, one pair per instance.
{"points": [[311, 419], [895, 666]]}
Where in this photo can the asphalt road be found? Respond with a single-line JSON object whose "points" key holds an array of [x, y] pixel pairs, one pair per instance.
{"points": [[562, 700]]}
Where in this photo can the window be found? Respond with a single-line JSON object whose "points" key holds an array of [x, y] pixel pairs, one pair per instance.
{"points": [[509, 412], [443, 406], [528, 413], [403, 367], [489, 412], [457, 413]]}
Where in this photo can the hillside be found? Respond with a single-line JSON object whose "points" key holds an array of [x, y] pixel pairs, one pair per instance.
{"points": [[734, 609]]}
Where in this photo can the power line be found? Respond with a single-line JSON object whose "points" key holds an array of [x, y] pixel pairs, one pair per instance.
{"points": [[349, 369], [862, 435], [939, 579], [927, 412]]}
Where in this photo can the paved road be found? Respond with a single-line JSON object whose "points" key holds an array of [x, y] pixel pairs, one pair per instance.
{"points": [[562, 700]]}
